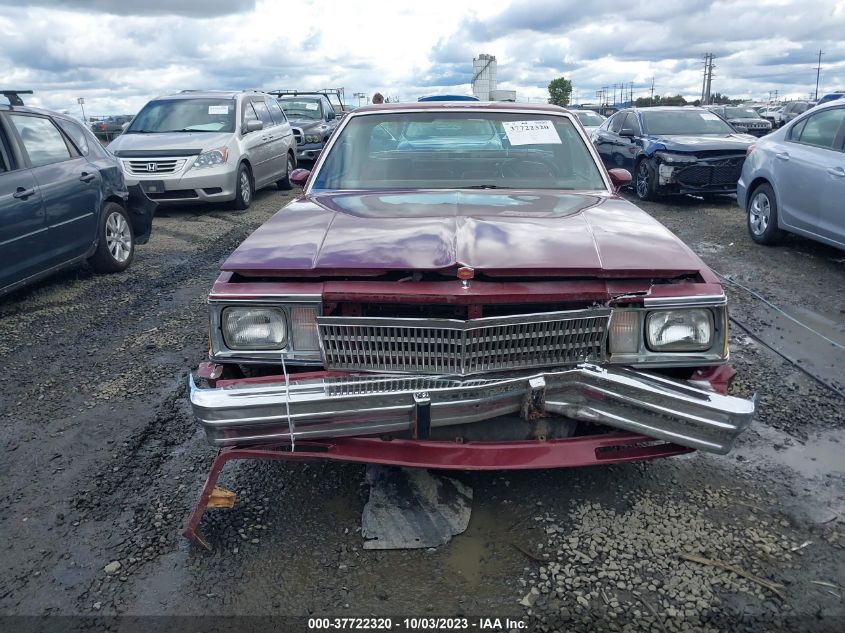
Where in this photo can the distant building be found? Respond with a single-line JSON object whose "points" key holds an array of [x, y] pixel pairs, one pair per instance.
{"points": [[503, 95], [483, 76]]}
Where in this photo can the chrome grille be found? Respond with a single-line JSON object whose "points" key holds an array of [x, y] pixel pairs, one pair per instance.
{"points": [[451, 347], [156, 166]]}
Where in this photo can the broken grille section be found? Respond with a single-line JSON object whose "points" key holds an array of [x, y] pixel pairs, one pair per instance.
{"points": [[451, 347]]}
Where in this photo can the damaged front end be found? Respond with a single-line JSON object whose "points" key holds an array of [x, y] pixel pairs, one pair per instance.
{"points": [[639, 372], [695, 174]]}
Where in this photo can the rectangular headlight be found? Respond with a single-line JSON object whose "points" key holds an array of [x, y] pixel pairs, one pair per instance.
{"points": [[254, 328], [683, 330], [303, 329]]}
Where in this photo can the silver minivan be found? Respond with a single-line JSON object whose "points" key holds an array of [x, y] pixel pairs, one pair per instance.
{"points": [[207, 147]]}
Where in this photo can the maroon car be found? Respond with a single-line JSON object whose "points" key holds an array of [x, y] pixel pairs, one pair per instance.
{"points": [[460, 286]]}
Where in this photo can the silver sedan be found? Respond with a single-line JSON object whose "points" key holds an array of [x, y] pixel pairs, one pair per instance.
{"points": [[793, 180]]}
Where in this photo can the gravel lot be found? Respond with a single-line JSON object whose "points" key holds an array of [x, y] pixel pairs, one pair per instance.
{"points": [[102, 462]]}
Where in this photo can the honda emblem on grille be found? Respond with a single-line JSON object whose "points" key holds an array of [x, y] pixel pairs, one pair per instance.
{"points": [[151, 166]]}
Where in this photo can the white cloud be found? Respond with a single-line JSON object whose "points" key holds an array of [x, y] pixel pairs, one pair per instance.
{"points": [[119, 54]]}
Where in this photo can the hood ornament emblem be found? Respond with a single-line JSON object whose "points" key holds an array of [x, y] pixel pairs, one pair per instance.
{"points": [[465, 274]]}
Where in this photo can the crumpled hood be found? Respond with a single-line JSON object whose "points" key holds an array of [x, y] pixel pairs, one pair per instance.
{"points": [[502, 234], [710, 142], [169, 141]]}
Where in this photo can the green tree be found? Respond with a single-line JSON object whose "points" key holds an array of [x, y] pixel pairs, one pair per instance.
{"points": [[677, 100], [560, 90]]}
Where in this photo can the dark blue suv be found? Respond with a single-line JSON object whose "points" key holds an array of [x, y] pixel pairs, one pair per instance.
{"points": [[63, 199]]}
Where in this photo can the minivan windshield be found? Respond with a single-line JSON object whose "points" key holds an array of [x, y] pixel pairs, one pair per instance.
{"points": [[185, 115], [680, 122], [458, 150]]}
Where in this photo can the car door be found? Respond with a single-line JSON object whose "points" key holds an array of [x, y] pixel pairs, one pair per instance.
{"points": [[273, 165], [285, 132], [70, 187], [626, 148], [254, 145], [806, 171], [23, 226], [606, 137], [831, 218]]}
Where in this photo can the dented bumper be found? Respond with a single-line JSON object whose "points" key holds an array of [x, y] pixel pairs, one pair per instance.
{"points": [[255, 412]]}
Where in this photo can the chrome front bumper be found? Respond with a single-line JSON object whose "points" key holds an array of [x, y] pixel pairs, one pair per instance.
{"points": [[246, 414]]}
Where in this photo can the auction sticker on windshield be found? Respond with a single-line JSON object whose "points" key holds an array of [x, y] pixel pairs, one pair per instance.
{"points": [[218, 109], [709, 116], [531, 133]]}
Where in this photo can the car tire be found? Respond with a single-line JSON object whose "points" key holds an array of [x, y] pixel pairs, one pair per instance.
{"points": [[763, 215], [645, 181], [244, 189], [290, 164], [116, 241]]}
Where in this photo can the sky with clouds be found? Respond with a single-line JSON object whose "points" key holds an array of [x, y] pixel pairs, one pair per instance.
{"points": [[117, 54]]}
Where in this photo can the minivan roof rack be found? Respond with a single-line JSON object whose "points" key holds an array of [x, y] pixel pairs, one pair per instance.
{"points": [[14, 96]]}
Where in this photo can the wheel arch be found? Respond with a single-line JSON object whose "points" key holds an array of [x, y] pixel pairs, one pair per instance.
{"points": [[759, 180]]}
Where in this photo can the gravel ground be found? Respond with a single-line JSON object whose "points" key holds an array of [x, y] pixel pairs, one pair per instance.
{"points": [[102, 462]]}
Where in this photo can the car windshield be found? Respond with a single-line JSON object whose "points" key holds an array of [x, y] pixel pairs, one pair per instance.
{"points": [[185, 115], [740, 113], [589, 118], [676, 122], [301, 109], [459, 150]]}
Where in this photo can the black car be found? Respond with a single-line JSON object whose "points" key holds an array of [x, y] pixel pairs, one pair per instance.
{"points": [[673, 150], [63, 199]]}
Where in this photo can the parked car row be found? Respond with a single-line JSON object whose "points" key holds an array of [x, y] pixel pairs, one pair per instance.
{"points": [[791, 180]]}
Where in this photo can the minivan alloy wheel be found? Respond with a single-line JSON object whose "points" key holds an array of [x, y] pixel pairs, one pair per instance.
{"points": [[759, 213], [246, 189], [118, 237]]}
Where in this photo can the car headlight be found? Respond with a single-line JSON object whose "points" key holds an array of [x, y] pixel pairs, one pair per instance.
{"points": [[254, 328], [313, 138], [679, 330], [669, 157], [212, 158]]}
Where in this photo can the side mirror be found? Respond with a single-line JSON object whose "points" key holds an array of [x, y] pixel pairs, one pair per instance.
{"points": [[300, 176], [330, 116], [626, 132], [620, 178], [253, 126]]}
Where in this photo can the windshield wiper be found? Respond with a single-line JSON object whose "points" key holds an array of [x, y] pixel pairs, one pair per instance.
{"points": [[140, 132], [485, 187]]}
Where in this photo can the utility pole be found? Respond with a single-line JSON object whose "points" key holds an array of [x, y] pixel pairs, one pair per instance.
{"points": [[708, 78], [651, 98], [81, 102], [818, 71]]}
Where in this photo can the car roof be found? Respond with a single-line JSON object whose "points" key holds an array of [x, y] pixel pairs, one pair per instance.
{"points": [[209, 94], [5, 107], [451, 106], [685, 108]]}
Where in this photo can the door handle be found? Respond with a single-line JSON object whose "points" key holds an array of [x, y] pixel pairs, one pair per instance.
{"points": [[782, 156], [836, 171], [86, 177], [23, 194]]}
